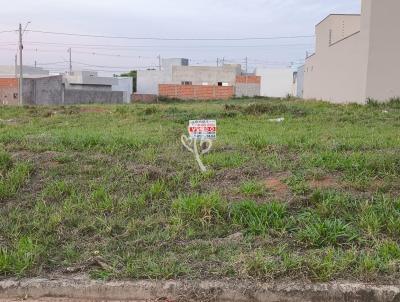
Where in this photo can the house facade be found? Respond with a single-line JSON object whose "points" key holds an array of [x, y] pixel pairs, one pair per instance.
{"points": [[357, 56], [176, 79]]}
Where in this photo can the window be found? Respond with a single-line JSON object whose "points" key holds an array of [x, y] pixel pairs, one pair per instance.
{"points": [[220, 83], [15, 96], [186, 83], [223, 84]]}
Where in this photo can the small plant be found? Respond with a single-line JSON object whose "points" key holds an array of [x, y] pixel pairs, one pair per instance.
{"points": [[261, 266], [5, 163], [102, 200], [14, 179], [252, 188], [157, 190], [258, 141], [373, 103], [18, 259], [150, 110], [57, 190], [394, 103], [206, 209], [326, 264], [155, 266], [298, 185], [258, 219], [122, 109], [317, 232]]}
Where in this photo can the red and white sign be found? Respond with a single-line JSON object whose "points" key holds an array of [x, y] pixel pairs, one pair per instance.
{"points": [[203, 129]]}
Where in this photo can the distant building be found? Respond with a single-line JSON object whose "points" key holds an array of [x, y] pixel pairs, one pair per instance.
{"points": [[9, 71], [357, 56], [89, 80], [82, 87], [9, 82], [276, 82], [36, 90], [176, 79], [89, 87]]}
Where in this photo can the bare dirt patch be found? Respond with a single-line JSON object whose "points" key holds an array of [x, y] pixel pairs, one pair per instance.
{"points": [[152, 172], [228, 182], [326, 182], [276, 185]]}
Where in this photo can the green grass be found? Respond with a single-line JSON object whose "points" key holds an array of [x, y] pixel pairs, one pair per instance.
{"points": [[114, 182]]}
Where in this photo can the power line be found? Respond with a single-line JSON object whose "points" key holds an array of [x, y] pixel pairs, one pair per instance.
{"points": [[112, 55], [110, 46], [62, 70], [113, 67], [53, 63], [7, 31], [170, 39]]}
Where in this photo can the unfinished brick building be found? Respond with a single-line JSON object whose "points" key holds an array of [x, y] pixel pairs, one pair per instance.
{"points": [[177, 79]]}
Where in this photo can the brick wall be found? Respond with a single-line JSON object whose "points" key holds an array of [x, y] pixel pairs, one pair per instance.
{"points": [[8, 91], [248, 79], [196, 92], [8, 83]]}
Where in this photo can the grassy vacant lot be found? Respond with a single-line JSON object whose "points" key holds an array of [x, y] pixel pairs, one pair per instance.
{"points": [[110, 191]]}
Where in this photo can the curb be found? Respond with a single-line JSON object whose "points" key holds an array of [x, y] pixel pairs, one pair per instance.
{"points": [[84, 290]]}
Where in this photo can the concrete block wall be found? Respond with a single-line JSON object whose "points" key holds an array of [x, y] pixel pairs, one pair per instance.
{"points": [[248, 86], [196, 92], [75, 96], [43, 91]]}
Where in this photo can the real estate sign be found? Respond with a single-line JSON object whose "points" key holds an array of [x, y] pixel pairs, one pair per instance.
{"points": [[203, 129]]}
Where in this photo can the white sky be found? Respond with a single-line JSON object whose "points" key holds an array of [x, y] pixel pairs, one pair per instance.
{"points": [[164, 18]]}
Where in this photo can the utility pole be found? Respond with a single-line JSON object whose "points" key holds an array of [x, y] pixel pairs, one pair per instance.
{"points": [[70, 60], [21, 72], [247, 65], [16, 66], [223, 61], [217, 62], [159, 62]]}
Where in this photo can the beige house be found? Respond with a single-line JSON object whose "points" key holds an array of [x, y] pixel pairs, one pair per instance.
{"points": [[357, 57]]}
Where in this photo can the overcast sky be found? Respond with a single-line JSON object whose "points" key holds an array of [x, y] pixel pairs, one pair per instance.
{"points": [[166, 19]]}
